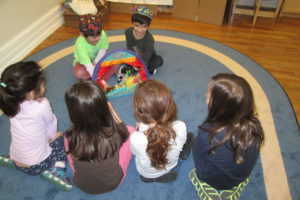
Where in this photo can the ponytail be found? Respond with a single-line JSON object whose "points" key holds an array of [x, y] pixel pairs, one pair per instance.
{"points": [[9, 104], [153, 104], [159, 137], [16, 81]]}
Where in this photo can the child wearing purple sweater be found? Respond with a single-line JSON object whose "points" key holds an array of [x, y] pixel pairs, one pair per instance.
{"points": [[36, 146]]}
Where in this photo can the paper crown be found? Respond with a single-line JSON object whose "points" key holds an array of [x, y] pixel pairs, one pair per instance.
{"points": [[142, 10], [89, 25]]}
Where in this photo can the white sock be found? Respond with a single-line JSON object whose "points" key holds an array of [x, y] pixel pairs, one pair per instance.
{"points": [[61, 164]]}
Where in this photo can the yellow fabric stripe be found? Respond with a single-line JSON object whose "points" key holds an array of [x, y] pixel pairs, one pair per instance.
{"points": [[119, 61]]}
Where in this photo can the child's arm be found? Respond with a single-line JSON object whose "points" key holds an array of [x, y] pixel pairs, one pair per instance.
{"points": [[106, 87], [114, 113], [129, 39], [100, 54], [145, 50], [49, 118], [135, 146], [148, 49], [90, 68], [138, 78], [84, 59], [103, 45], [137, 50]]}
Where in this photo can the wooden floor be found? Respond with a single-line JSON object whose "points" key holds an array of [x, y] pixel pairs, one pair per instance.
{"points": [[275, 46]]}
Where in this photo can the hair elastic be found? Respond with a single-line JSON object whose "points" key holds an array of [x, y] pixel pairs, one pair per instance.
{"points": [[3, 84]]}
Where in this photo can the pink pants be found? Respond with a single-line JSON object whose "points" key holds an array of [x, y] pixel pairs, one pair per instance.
{"points": [[125, 154], [80, 71]]}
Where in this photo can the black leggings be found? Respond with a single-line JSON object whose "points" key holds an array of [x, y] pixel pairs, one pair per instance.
{"points": [[155, 62]]}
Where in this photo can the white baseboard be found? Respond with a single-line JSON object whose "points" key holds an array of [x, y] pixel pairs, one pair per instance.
{"points": [[21, 45]]}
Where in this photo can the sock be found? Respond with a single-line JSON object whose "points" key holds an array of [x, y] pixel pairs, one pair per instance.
{"points": [[61, 164]]}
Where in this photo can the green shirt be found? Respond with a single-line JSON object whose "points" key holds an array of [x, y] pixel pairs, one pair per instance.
{"points": [[85, 53]]}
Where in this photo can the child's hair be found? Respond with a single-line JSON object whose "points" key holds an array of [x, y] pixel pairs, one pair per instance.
{"points": [[17, 81], [89, 26], [154, 105], [94, 135], [142, 15], [231, 107]]}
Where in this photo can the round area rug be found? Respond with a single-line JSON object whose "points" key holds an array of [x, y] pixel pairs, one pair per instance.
{"points": [[189, 63]]}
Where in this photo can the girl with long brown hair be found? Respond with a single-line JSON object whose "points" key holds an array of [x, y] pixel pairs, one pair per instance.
{"points": [[228, 142], [97, 142], [160, 137]]}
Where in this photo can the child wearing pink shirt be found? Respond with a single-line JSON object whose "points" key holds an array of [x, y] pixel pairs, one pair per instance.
{"points": [[36, 146]]}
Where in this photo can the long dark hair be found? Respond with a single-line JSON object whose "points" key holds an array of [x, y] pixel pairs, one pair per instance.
{"points": [[17, 81], [231, 108], [94, 135], [154, 105]]}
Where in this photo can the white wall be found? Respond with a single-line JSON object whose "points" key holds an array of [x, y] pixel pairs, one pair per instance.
{"points": [[16, 15], [24, 24]]}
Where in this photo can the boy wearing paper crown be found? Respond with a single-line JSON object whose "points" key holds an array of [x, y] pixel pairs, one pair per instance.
{"points": [[140, 40], [90, 47]]}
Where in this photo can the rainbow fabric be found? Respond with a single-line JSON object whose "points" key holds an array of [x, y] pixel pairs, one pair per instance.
{"points": [[117, 57], [119, 92]]}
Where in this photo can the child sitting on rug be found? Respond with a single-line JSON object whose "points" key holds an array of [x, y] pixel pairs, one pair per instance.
{"points": [[159, 139], [140, 40], [36, 146], [228, 142], [97, 143], [90, 47]]}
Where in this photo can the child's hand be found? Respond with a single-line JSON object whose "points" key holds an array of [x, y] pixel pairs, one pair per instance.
{"points": [[58, 134], [138, 78], [136, 69], [106, 87], [137, 50]]}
